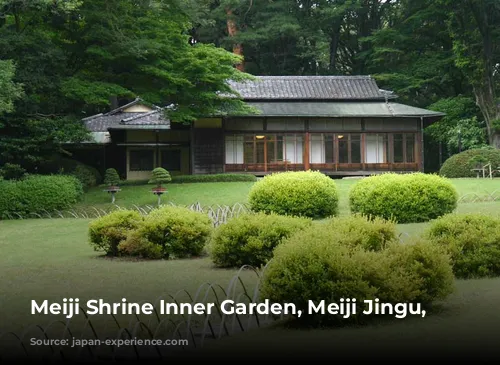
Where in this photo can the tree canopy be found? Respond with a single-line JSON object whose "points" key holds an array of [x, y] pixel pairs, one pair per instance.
{"points": [[64, 60]]}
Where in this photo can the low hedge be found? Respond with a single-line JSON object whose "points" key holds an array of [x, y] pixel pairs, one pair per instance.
{"points": [[303, 193], [316, 265], [461, 164], [168, 232], [405, 198], [37, 194], [181, 179], [251, 238], [473, 241]]}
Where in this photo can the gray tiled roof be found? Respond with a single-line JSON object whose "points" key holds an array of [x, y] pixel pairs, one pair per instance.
{"points": [[310, 88], [117, 119]]}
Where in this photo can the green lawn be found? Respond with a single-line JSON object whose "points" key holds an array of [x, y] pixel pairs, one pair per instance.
{"points": [[230, 193], [51, 259]]}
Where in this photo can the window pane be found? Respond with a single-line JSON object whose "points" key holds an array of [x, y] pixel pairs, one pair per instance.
{"points": [[329, 149], [279, 149], [171, 160], [271, 152], [398, 148], [141, 160], [343, 148], [248, 152], [355, 148], [410, 148], [317, 148], [259, 151], [376, 148], [234, 149]]}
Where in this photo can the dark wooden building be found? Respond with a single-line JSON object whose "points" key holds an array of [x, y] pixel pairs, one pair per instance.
{"points": [[340, 125]]}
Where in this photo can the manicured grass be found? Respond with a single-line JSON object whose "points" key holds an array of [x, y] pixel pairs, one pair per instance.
{"points": [[45, 259], [51, 259], [230, 193], [221, 193]]}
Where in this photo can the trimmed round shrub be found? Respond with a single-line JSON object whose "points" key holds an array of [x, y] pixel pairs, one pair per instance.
{"points": [[137, 245], [404, 198], [472, 240], [371, 234], [304, 193], [461, 164], [106, 233], [315, 265], [251, 238], [178, 231], [37, 194], [62, 165], [426, 269]]}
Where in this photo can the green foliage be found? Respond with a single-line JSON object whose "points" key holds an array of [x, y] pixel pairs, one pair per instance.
{"points": [[178, 231], [461, 164], [372, 234], [160, 176], [137, 245], [10, 91], [37, 194], [330, 264], [106, 233], [111, 177], [86, 175], [460, 125], [11, 171], [181, 179], [472, 240], [426, 268], [251, 238], [405, 198], [305, 193]]}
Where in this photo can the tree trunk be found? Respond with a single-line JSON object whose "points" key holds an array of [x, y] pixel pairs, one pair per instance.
{"points": [[334, 45], [232, 30]]}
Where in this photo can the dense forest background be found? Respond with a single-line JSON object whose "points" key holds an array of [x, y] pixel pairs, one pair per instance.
{"points": [[63, 60]]}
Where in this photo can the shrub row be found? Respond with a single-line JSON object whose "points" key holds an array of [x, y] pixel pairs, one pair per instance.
{"points": [[184, 179], [38, 193], [167, 232], [88, 175]]}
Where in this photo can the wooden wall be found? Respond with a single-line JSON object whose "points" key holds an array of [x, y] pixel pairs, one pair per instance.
{"points": [[207, 151]]}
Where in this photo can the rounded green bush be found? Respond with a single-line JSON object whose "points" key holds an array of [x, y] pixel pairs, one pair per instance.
{"points": [[426, 269], [304, 193], [106, 233], [472, 240], [404, 198], [37, 194], [461, 164], [327, 264], [178, 231], [251, 238], [371, 234]]}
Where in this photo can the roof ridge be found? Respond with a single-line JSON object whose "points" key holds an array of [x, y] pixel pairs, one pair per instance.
{"points": [[140, 115], [315, 77], [114, 111]]}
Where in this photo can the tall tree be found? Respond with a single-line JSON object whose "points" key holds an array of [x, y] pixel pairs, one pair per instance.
{"points": [[72, 56], [474, 26]]}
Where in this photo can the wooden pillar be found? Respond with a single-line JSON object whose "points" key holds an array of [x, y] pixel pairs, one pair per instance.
{"points": [[306, 152], [363, 150]]}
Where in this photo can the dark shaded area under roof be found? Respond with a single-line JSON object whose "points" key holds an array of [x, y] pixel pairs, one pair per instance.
{"points": [[311, 88]]}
